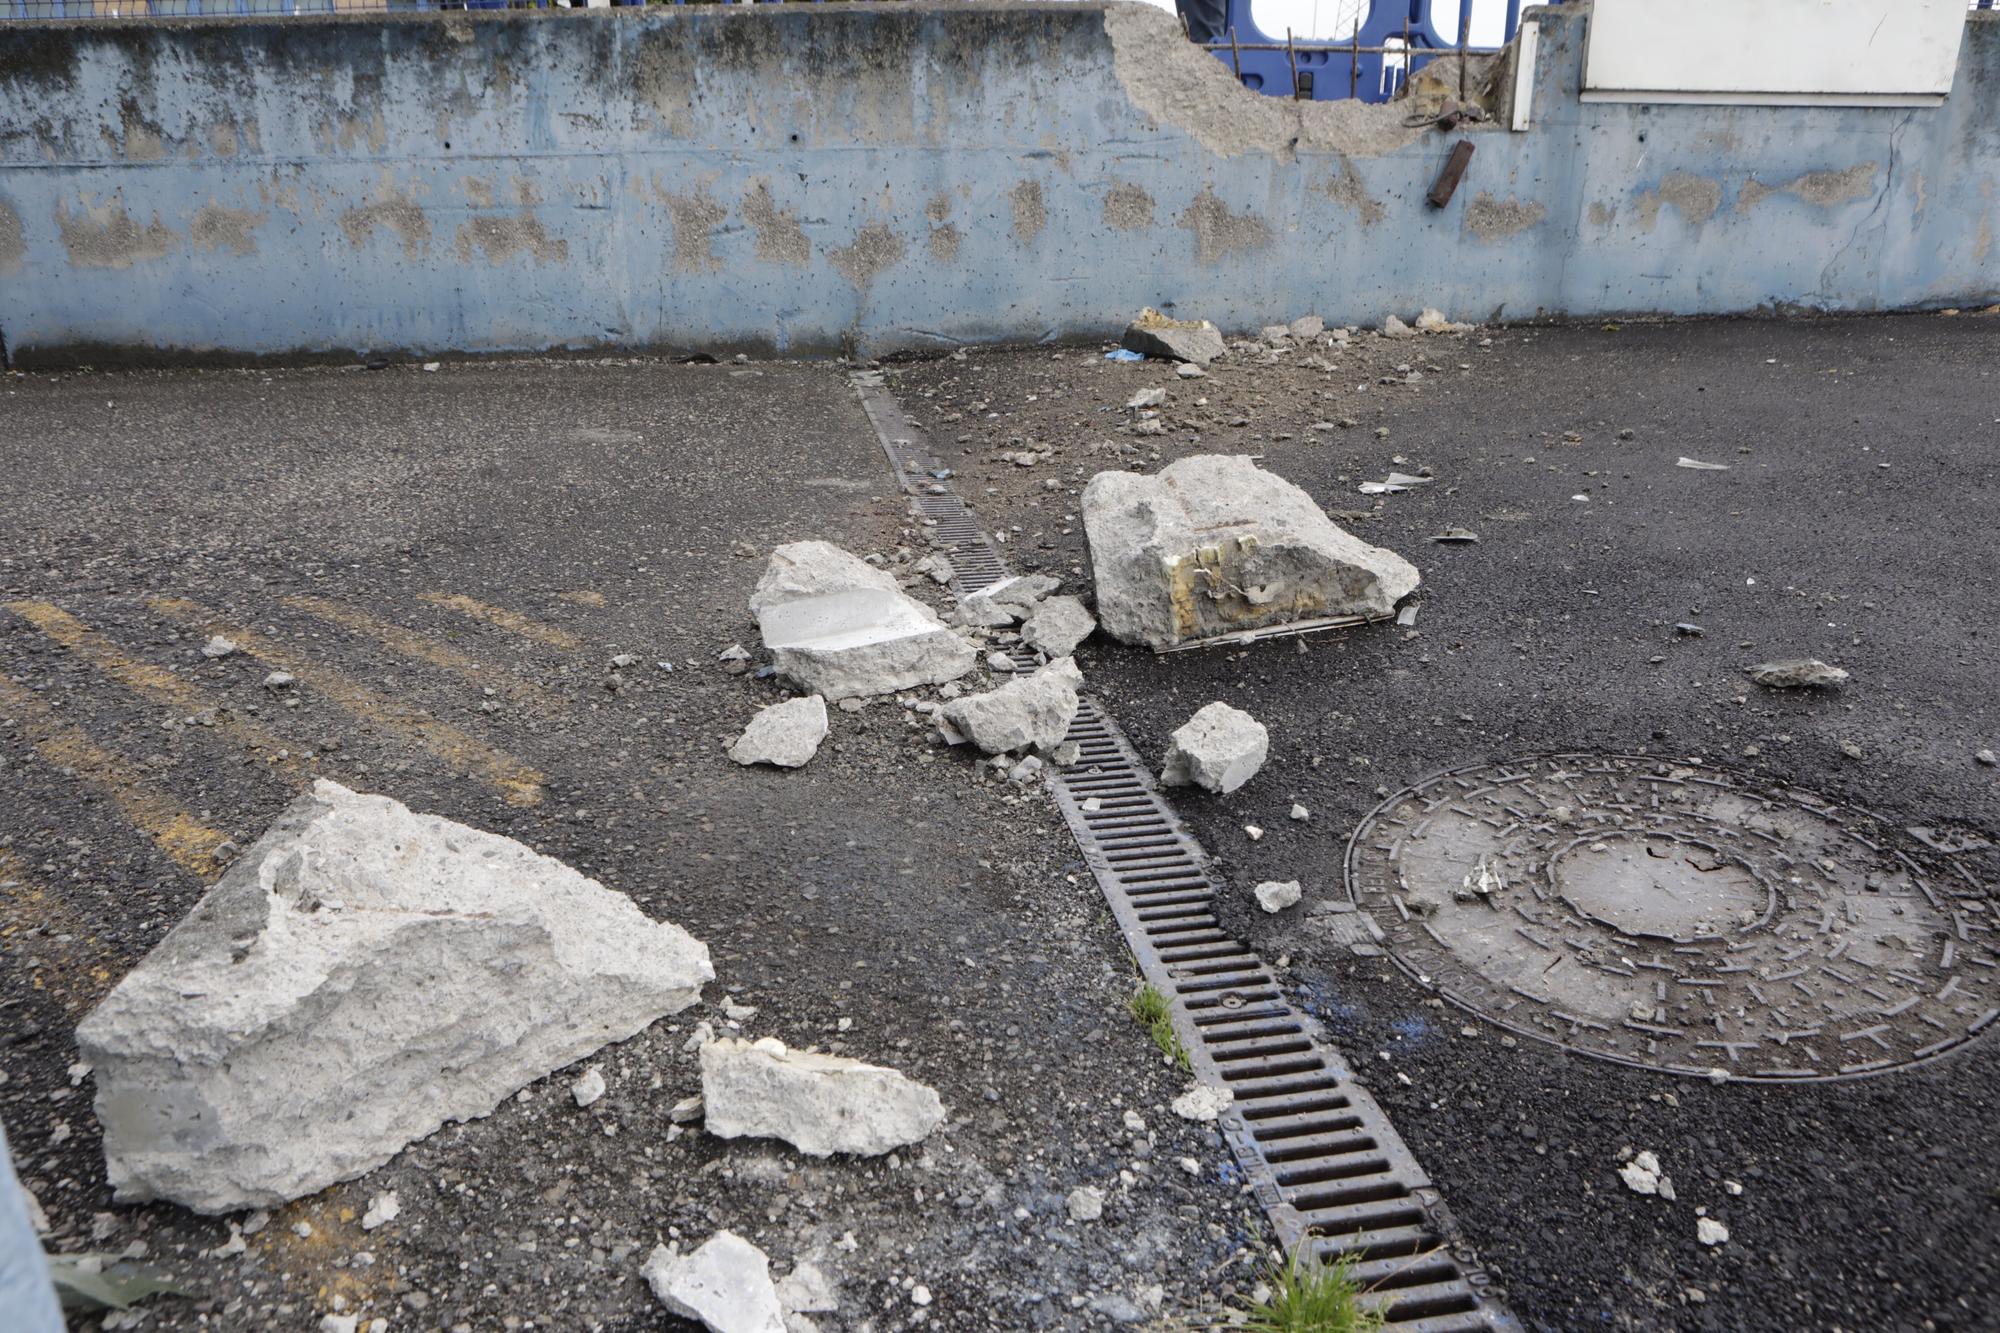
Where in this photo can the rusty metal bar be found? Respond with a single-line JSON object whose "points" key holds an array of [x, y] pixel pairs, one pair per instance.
{"points": [[1293, 55]]}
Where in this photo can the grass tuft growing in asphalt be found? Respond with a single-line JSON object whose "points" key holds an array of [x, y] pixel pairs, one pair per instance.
{"points": [[1150, 1007], [1310, 1295]]}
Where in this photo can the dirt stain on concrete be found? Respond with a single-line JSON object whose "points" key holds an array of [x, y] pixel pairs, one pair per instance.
{"points": [[696, 216], [780, 238], [231, 229], [875, 248], [1825, 189], [106, 236], [1492, 219], [1219, 233], [1601, 214], [944, 237], [1695, 198], [501, 239], [478, 191], [1030, 213], [1127, 207], [222, 139], [1347, 188], [13, 245], [393, 211]]}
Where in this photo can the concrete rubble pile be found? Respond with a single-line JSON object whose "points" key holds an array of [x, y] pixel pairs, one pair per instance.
{"points": [[1218, 749], [785, 735], [840, 628], [1212, 546], [820, 1104], [361, 976], [1031, 712], [1007, 602]]}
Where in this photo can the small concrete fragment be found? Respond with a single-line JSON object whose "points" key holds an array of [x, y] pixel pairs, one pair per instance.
{"points": [[359, 977], [1153, 397], [1085, 1203], [1008, 601], [1307, 326], [1027, 713], [588, 1088], [1057, 626], [1433, 321], [1202, 1103], [1153, 334], [218, 646], [1797, 673], [1642, 1175], [1219, 749], [936, 568], [1710, 1232], [1275, 896], [1393, 327], [785, 735], [820, 1104], [725, 1285], [808, 1290], [843, 629], [1214, 545]]}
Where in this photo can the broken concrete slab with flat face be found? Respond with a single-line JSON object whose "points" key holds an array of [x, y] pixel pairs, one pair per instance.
{"points": [[785, 735], [820, 1104], [361, 976], [1028, 713], [843, 629], [1219, 749], [1192, 340], [1212, 546]]}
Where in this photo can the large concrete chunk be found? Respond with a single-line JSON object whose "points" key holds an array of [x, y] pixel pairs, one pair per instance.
{"points": [[1029, 713], [841, 628], [820, 1104], [725, 1285], [1192, 340], [361, 976], [1212, 546], [1219, 749], [786, 735]]}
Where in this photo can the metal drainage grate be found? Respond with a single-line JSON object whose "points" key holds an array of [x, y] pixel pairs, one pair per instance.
{"points": [[1318, 1152]]}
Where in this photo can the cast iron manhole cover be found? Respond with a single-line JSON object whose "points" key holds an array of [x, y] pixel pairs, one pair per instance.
{"points": [[1679, 918]]}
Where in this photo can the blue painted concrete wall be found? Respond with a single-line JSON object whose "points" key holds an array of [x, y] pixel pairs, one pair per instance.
{"points": [[813, 178]]}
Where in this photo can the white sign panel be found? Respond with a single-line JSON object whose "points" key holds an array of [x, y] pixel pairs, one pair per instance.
{"points": [[1773, 52]]}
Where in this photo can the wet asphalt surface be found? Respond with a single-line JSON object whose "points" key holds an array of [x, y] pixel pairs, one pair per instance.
{"points": [[950, 921], [878, 903], [1854, 525]]}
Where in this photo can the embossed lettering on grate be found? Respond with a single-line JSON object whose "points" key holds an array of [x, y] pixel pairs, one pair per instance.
{"points": [[1322, 1158]]}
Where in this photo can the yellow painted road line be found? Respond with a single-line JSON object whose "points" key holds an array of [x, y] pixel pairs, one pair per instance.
{"points": [[505, 619], [409, 643], [518, 783], [151, 682], [185, 839], [72, 969]]}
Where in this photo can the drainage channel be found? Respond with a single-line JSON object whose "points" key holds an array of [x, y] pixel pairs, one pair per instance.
{"points": [[1321, 1157]]}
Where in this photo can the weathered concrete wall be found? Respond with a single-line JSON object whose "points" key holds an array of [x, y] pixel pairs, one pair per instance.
{"points": [[806, 178]]}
